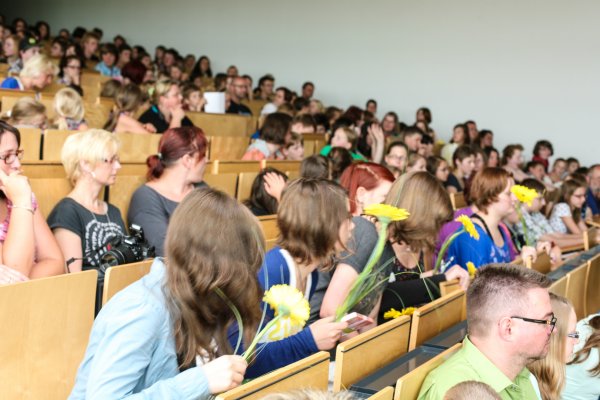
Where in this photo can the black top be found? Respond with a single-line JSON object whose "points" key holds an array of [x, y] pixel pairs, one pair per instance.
{"points": [[94, 230], [154, 116], [236, 108]]}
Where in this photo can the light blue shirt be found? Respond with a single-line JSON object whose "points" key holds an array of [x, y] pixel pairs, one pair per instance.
{"points": [[105, 70], [131, 351]]}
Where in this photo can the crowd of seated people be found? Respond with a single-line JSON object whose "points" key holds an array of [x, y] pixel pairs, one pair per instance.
{"points": [[325, 237]]}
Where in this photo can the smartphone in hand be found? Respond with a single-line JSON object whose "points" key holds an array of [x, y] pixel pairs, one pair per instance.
{"points": [[356, 321]]}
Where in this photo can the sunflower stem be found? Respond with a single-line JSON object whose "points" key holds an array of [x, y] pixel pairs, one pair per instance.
{"points": [[444, 249]]}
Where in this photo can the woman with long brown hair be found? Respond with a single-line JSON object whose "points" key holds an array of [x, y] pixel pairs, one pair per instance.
{"points": [[165, 336]]}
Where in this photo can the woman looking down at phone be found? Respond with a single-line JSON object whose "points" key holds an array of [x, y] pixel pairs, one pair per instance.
{"points": [[27, 247]]}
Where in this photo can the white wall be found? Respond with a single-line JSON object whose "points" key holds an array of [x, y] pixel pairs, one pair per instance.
{"points": [[525, 69]]}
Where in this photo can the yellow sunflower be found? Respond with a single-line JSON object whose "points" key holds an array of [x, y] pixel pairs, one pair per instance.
{"points": [[469, 226], [288, 302], [471, 268], [393, 313], [524, 194], [386, 212]]}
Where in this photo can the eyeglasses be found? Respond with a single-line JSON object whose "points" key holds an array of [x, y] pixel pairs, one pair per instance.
{"points": [[551, 322], [112, 160], [573, 335], [10, 157]]}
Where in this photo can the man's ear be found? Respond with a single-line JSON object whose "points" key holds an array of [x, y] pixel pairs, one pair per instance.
{"points": [[506, 329]]}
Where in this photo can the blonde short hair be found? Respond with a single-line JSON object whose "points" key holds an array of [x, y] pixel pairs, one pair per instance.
{"points": [[91, 146], [161, 88], [38, 65], [25, 110], [68, 104]]}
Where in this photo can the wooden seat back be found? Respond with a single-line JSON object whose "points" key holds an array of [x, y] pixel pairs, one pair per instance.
{"points": [[119, 277], [227, 147], [408, 386], [45, 324], [458, 200], [137, 147], [120, 193], [226, 182], [576, 289], [542, 264], [222, 124], [49, 191], [387, 393], [448, 287], [437, 316], [31, 142], [54, 140], [365, 353], [268, 224], [310, 372], [592, 299], [245, 180], [559, 287]]}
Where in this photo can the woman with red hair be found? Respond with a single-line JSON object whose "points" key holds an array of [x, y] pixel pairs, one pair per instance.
{"points": [[176, 170]]}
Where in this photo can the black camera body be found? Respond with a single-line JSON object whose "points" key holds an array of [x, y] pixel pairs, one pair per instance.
{"points": [[127, 249]]}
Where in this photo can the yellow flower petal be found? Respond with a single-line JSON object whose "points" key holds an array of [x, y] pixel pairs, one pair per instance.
{"points": [[386, 212], [471, 268], [468, 226], [288, 302], [391, 314], [524, 194], [408, 311]]}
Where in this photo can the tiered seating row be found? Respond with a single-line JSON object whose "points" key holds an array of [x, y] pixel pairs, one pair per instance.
{"points": [[42, 318]]}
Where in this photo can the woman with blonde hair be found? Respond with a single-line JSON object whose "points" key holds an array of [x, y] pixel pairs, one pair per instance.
{"points": [[70, 110], [27, 248], [128, 100], [549, 372], [28, 113], [167, 107], [82, 223], [37, 73]]}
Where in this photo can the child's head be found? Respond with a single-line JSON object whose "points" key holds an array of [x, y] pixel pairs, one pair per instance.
{"points": [[276, 128], [259, 198], [129, 98], [294, 148], [438, 167], [572, 192], [471, 390], [344, 137], [416, 162], [192, 96], [68, 104]]}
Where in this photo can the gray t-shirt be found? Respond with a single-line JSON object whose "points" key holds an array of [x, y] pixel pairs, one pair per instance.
{"points": [[152, 211], [361, 244]]}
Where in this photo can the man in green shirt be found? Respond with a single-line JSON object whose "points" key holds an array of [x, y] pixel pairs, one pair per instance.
{"points": [[510, 321]]}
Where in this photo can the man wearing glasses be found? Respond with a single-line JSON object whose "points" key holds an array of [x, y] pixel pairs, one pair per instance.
{"points": [[510, 321]]}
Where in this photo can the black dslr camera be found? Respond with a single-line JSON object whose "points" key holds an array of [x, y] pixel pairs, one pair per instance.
{"points": [[127, 249]]}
